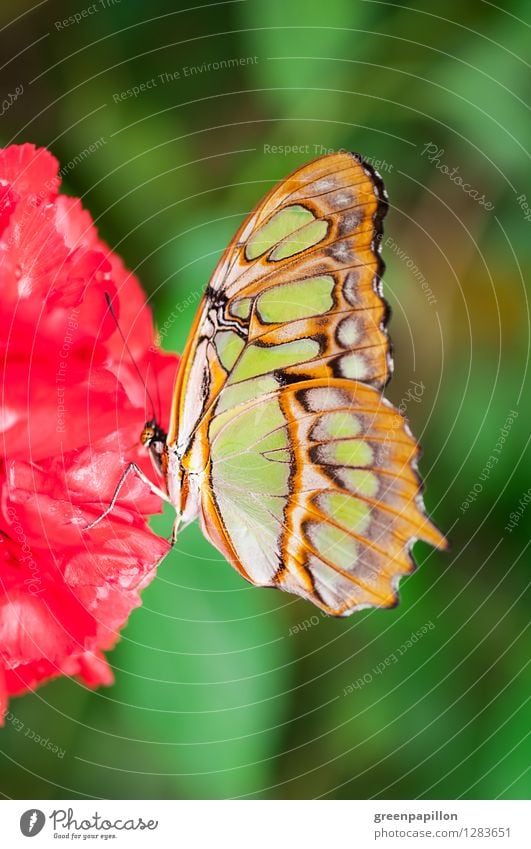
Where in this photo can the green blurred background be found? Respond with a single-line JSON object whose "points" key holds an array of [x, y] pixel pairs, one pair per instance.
{"points": [[223, 690]]}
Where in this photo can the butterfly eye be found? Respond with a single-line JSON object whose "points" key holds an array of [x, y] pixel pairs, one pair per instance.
{"points": [[147, 436]]}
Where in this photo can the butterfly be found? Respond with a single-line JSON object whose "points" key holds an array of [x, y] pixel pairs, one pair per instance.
{"points": [[280, 440]]}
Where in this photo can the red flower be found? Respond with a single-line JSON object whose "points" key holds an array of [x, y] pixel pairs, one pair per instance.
{"points": [[71, 411]]}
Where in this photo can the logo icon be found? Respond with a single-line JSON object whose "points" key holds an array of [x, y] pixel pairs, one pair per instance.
{"points": [[32, 822]]}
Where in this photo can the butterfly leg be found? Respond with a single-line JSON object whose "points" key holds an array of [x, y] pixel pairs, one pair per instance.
{"points": [[131, 468], [175, 531]]}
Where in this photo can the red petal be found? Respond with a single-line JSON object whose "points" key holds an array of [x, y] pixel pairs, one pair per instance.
{"points": [[72, 409], [30, 170], [8, 202]]}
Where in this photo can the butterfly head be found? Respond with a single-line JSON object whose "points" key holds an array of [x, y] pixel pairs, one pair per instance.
{"points": [[153, 437]]}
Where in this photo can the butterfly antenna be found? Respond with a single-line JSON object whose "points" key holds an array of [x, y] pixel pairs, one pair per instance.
{"points": [[127, 348], [159, 402]]}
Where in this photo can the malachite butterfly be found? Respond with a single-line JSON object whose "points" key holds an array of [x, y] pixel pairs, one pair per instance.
{"points": [[280, 440]]}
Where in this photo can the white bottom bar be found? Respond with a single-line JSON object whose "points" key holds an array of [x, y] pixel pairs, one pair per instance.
{"points": [[266, 824]]}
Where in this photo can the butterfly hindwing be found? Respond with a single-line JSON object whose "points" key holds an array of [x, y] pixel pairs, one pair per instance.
{"points": [[313, 488]]}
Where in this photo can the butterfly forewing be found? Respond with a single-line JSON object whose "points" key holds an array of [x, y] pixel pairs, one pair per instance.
{"points": [[298, 290]]}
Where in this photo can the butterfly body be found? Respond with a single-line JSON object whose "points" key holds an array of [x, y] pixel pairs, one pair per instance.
{"points": [[280, 440]]}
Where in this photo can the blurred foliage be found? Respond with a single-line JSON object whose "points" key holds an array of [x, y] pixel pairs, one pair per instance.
{"points": [[215, 696]]}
